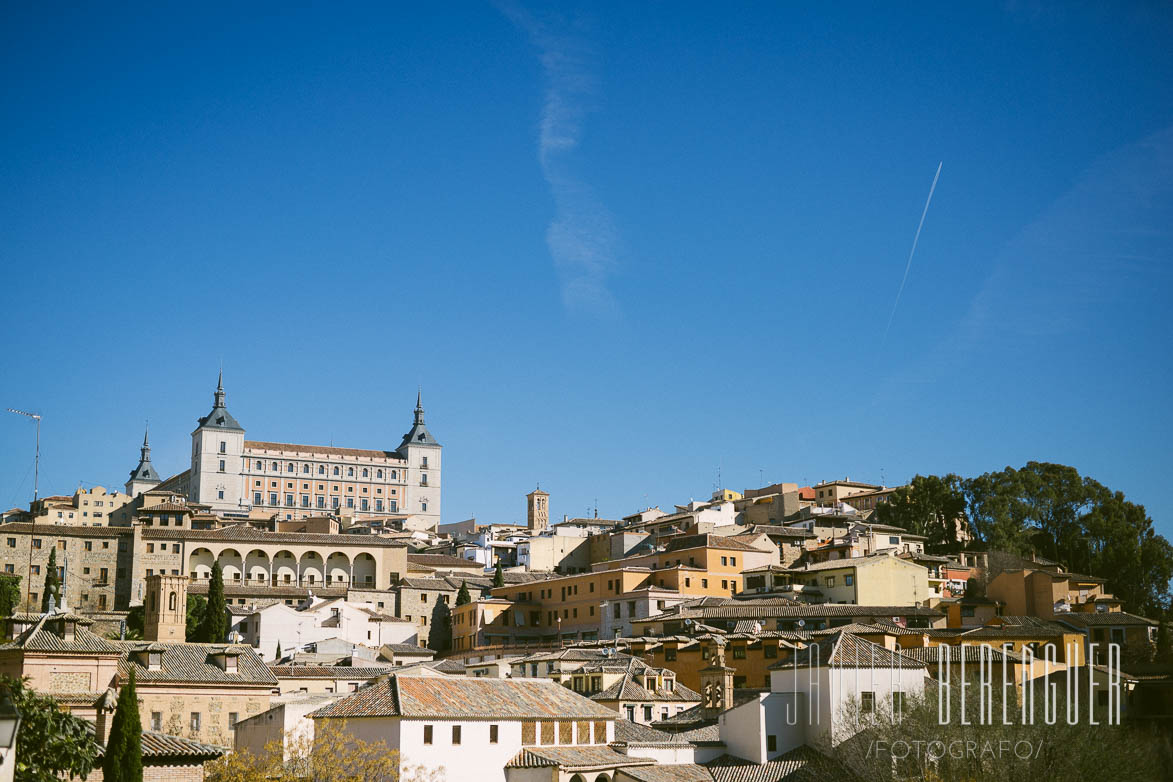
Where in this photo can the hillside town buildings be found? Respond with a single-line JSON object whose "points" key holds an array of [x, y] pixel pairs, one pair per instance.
{"points": [[658, 646]]}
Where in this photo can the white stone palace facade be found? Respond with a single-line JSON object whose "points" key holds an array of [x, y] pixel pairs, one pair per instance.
{"points": [[233, 475]]}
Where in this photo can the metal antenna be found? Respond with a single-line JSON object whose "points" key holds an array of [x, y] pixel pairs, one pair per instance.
{"points": [[37, 468]]}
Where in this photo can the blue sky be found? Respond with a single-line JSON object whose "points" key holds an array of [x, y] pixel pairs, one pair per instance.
{"points": [[622, 246]]}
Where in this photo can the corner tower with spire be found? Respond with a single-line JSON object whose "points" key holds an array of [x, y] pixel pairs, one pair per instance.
{"points": [[217, 457], [423, 454], [144, 477]]}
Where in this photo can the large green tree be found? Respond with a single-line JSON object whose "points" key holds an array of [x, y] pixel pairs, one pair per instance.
{"points": [[499, 576], [9, 594], [214, 627], [52, 583], [1053, 511], [463, 597], [930, 505], [123, 761], [52, 744]]}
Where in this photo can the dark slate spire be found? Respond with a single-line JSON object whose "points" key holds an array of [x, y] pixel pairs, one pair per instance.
{"points": [[419, 434], [145, 470], [220, 418]]}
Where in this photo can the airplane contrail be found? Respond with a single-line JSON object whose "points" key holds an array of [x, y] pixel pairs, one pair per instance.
{"points": [[911, 252]]}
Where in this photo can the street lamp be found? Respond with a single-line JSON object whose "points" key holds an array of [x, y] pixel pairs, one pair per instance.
{"points": [[9, 727]]}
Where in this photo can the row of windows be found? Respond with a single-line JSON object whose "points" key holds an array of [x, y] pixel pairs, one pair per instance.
{"points": [[87, 545], [322, 487], [457, 734], [320, 502], [306, 469]]}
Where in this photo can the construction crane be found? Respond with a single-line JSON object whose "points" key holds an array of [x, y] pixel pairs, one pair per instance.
{"points": [[37, 463]]}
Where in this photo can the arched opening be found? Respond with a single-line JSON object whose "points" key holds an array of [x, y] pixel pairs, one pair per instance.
{"points": [[284, 568], [199, 564], [171, 601], [231, 565], [364, 570], [312, 570], [337, 568], [256, 567]]}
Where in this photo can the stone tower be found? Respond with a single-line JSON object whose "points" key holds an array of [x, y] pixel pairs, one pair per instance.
{"points": [[716, 685], [422, 453], [166, 608], [144, 477], [537, 510], [217, 457]]}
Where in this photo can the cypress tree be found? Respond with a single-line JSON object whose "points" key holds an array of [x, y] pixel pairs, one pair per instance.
{"points": [[123, 761], [52, 583], [463, 596], [214, 627], [499, 576], [277, 654]]}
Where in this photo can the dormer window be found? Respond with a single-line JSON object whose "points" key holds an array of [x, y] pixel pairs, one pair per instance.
{"points": [[226, 660]]}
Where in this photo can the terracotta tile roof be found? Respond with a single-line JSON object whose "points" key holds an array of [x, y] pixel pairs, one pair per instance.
{"points": [[167, 507], [334, 672], [712, 541], [1104, 619], [66, 530], [163, 746], [571, 759], [680, 772], [802, 763], [45, 635], [460, 697], [844, 650], [628, 732], [190, 663], [786, 609], [323, 450], [971, 653]]}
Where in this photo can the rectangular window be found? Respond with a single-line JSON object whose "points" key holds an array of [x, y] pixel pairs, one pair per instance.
{"points": [[724, 560], [195, 720], [829, 581], [305, 500], [12, 543], [289, 500], [427, 734], [739, 652], [455, 734], [223, 447], [221, 465], [848, 580], [867, 702], [156, 720], [493, 735], [771, 743], [898, 702]]}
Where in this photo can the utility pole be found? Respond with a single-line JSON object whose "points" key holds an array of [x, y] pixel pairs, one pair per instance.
{"points": [[37, 464], [28, 581]]}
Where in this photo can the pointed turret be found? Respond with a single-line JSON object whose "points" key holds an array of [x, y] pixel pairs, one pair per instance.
{"points": [[419, 434], [219, 418], [144, 477]]}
